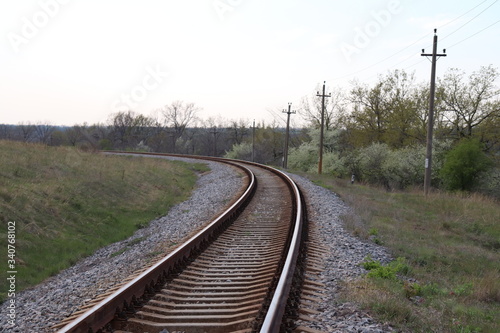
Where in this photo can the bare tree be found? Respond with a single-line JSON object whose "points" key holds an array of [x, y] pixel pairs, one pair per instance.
{"points": [[237, 131], [129, 128], [26, 131], [178, 116], [44, 132], [75, 134], [473, 102], [311, 107], [6, 131]]}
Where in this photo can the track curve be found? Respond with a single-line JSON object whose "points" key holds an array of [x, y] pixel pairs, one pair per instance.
{"points": [[234, 275]]}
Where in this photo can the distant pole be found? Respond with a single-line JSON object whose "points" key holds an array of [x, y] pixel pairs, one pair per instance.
{"points": [[215, 132], [320, 163], [430, 120], [285, 154], [253, 141]]}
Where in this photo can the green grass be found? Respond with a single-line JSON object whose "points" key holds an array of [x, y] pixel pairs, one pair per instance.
{"points": [[450, 243], [67, 203]]}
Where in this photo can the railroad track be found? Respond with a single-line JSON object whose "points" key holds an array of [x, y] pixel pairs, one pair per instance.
{"points": [[235, 275]]}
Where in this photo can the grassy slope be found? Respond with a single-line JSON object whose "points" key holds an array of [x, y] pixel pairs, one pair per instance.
{"points": [[67, 203], [451, 244]]}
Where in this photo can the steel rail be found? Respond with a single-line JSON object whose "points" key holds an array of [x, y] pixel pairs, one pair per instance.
{"points": [[103, 312], [274, 315]]}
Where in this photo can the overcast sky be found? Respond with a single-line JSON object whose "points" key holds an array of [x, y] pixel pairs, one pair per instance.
{"points": [[66, 62]]}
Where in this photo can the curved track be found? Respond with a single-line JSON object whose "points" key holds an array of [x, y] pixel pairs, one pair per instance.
{"points": [[234, 275]]}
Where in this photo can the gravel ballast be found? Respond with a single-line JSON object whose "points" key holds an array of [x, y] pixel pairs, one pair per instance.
{"points": [[342, 262], [44, 305]]}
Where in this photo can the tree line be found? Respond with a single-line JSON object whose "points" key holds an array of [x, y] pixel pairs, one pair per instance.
{"points": [[378, 132], [366, 125], [176, 128]]}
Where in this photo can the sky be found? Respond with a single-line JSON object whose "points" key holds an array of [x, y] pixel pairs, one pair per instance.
{"points": [[67, 62]]}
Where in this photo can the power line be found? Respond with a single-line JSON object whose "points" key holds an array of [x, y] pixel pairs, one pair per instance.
{"points": [[463, 40], [467, 12], [463, 25], [455, 19], [383, 60], [411, 56], [421, 38]]}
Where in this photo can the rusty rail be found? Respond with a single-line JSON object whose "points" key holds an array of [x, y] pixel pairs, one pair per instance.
{"points": [[274, 316], [102, 313]]}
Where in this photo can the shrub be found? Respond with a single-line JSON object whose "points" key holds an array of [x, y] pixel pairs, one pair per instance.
{"points": [[489, 183], [350, 161], [242, 151], [303, 158], [463, 164], [371, 160], [371, 264], [389, 271], [334, 165], [404, 167]]}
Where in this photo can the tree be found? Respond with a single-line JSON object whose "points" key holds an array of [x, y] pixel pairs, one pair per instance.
{"points": [[369, 110], [237, 131], [463, 164], [471, 103], [214, 129], [26, 131], [421, 98], [129, 128], [401, 106], [7, 132], [74, 134], [388, 112], [44, 132], [311, 108], [178, 115]]}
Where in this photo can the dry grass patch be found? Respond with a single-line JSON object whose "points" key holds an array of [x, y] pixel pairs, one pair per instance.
{"points": [[67, 203], [451, 243]]}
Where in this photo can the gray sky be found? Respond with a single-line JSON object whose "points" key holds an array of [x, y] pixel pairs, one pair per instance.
{"points": [[72, 61]]}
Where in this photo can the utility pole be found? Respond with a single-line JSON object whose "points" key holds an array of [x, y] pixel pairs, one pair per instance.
{"points": [[215, 132], [253, 141], [320, 163], [285, 154], [430, 120]]}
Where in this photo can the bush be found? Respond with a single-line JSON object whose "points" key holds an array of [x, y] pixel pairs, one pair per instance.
{"points": [[334, 165], [242, 151], [371, 162], [489, 183], [389, 271], [463, 164], [304, 158], [404, 167]]}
